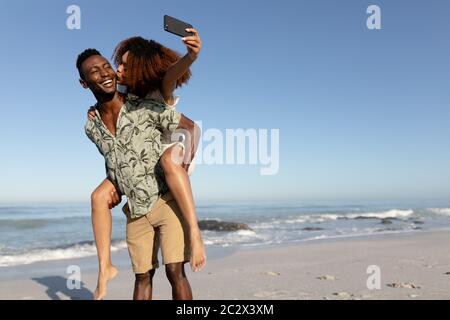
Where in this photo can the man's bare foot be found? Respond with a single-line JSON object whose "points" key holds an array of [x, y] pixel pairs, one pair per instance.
{"points": [[103, 277], [198, 254]]}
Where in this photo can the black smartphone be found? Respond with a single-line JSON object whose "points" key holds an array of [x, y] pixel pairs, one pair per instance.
{"points": [[176, 26]]}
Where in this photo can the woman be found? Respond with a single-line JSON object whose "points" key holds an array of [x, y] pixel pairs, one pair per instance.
{"points": [[151, 70]]}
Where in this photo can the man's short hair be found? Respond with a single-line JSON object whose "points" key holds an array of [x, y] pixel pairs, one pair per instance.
{"points": [[83, 56]]}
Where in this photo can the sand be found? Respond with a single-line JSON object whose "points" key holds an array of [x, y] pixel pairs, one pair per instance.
{"points": [[411, 266]]}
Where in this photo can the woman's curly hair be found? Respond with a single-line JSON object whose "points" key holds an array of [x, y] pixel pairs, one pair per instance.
{"points": [[147, 63]]}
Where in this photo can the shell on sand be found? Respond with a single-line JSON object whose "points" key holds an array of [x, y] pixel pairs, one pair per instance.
{"points": [[405, 285], [271, 273], [343, 294], [327, 277]]}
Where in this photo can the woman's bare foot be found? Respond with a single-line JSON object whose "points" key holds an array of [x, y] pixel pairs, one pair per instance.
{"points": [[198, 254], [103, 277]]}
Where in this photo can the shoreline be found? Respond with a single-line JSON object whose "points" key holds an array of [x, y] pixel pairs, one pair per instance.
{"points": [[219, 251], [320, 269]]}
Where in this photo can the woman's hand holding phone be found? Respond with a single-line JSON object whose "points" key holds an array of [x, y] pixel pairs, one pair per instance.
{"points": [[193, 43]]}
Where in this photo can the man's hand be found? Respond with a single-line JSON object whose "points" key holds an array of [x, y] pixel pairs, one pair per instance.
{"points": [[193, 43], [115, 199], [185, 166], [192, 137], [91, 113]]}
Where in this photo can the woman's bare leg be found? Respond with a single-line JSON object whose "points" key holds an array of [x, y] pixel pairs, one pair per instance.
{"points": [[102, 200], [178, 181]]}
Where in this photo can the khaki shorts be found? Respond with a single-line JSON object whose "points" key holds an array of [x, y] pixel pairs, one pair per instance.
{"points": [[165, 227]]}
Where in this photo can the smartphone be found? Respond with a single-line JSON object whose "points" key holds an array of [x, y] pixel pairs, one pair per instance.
{"points": [[176, 26]]}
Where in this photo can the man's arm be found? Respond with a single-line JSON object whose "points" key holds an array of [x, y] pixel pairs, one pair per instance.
{"points": [[176, 71]]}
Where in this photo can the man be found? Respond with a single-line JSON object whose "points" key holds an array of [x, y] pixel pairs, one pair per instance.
{"points": [[127, 132]]}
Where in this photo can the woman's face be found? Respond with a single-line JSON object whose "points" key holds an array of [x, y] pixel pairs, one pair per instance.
{"points": [[122, 69]]}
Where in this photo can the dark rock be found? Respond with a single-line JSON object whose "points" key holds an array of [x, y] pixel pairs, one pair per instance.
{"points": [[312, 229], [388, 229], [386, 221], [418, 222], [216, 225], [364, 218]]}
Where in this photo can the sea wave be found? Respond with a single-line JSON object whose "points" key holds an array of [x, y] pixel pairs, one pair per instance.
{"points": [[441, 211], [69, 251], [325, 217], [230, 238], [394, 213]]}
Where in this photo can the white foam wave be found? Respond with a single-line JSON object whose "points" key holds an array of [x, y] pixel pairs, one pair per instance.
{"points": [[324, 217], [441, 211], [76, 251], [394, 213], [291, 222], [376, 215], [231, 238]]}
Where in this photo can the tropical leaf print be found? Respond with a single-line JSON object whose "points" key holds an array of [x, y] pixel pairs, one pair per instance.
{"points": [[132, 155]]}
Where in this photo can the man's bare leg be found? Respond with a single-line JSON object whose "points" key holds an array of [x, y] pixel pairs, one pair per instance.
{"points": [[143, 286], [181, 289], [178, 181], [102, 200]]}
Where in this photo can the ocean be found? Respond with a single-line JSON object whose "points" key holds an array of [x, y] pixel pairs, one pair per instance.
{"points": [[42, 232]]}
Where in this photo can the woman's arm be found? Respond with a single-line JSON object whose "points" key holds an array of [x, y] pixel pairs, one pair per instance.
{"points": [[193, 44]]}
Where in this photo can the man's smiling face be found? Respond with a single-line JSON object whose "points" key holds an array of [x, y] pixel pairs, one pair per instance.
{"points": [[98, 75]]}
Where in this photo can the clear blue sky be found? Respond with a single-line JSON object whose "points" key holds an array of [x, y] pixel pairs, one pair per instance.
{"points": [[362, 114]]}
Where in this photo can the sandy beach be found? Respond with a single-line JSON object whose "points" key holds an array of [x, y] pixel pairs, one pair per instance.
{"points": [[412, 266]]}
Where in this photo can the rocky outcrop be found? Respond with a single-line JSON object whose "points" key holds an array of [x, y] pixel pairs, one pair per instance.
{"points": [[216, 225]]}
